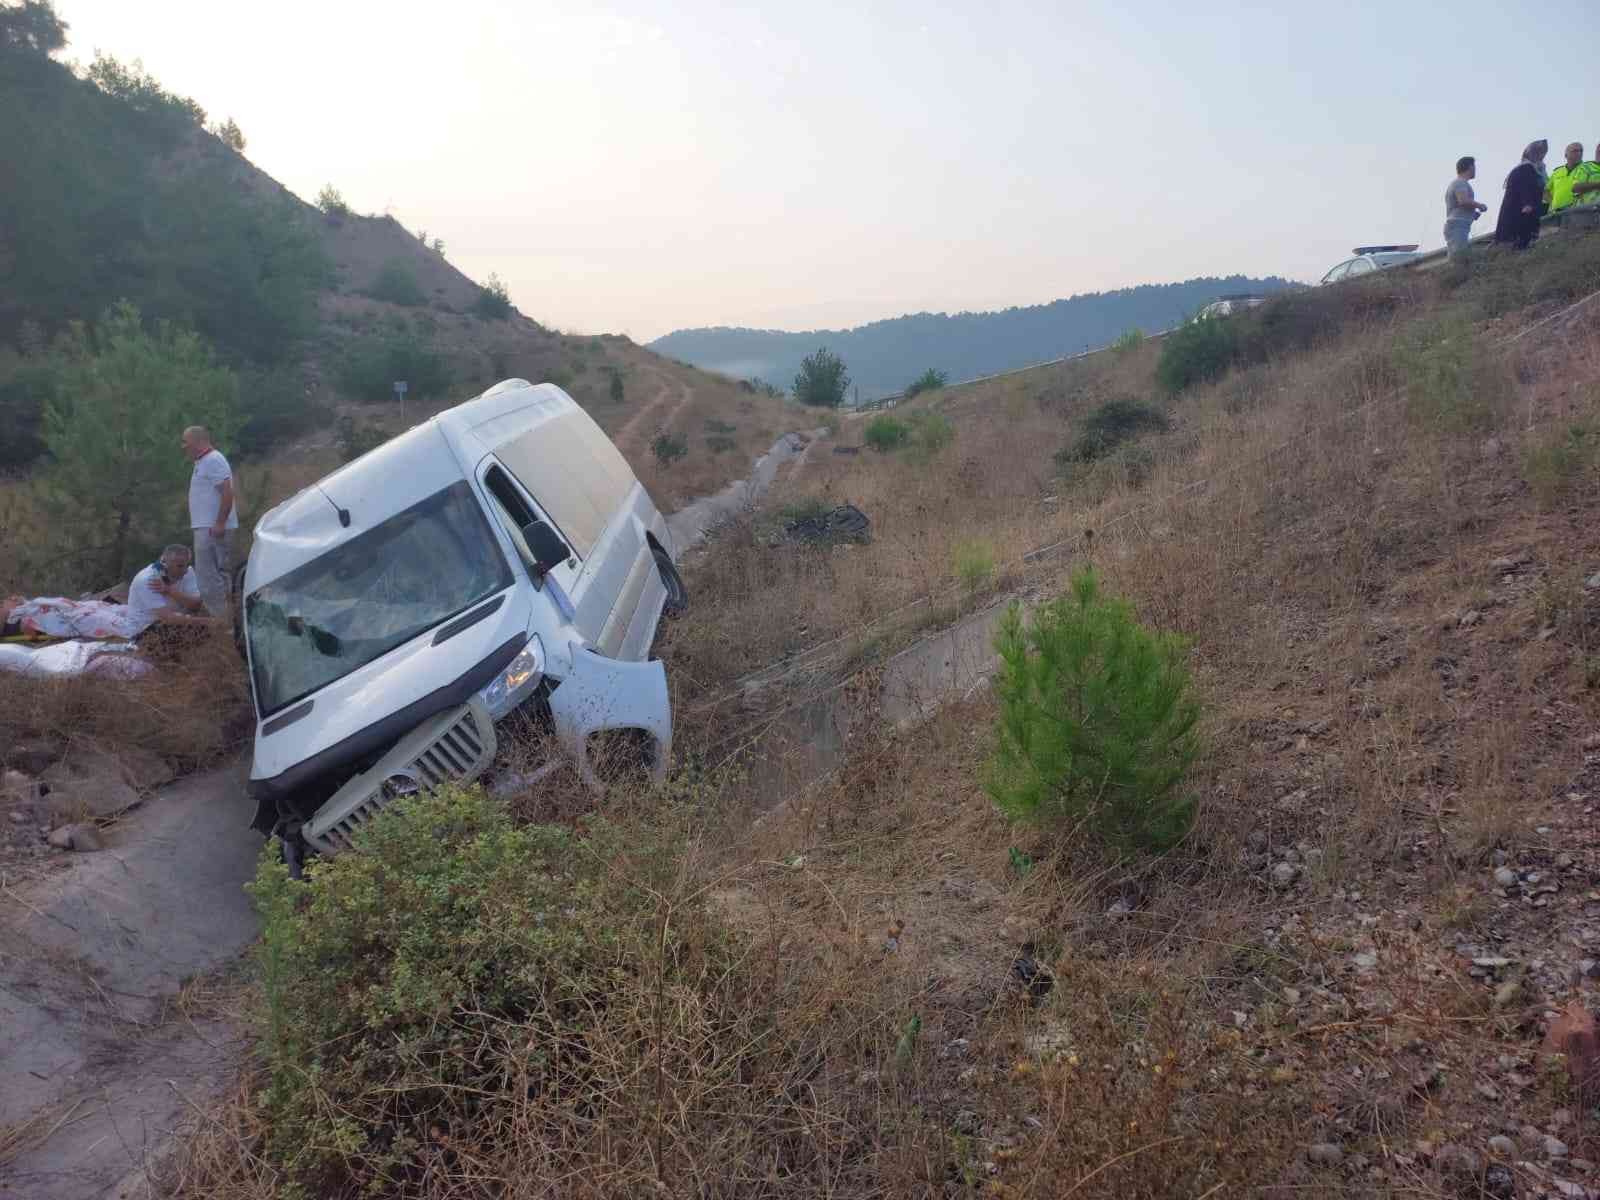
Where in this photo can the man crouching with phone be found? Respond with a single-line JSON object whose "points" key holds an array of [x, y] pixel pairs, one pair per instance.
{"points": [[167, 595]]}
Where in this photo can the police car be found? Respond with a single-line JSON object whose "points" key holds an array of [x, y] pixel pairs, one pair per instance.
{"points": [[1369, 259]]}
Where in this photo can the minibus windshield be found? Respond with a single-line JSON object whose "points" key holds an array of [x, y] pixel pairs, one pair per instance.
{"points": [[343, 609]]}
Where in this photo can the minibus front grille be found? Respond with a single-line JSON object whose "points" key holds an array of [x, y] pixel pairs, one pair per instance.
{"points": [[453, 747]]}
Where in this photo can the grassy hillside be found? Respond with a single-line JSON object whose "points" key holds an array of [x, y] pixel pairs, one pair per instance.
{"points": [[885, 356], [800, 969], [113, 188]]}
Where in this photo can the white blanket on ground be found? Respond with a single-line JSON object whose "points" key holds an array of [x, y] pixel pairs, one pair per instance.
{"points": [[57, 660]]}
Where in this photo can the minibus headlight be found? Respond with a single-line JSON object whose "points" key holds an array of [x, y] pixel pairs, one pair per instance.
{"points": [[513, 685]]}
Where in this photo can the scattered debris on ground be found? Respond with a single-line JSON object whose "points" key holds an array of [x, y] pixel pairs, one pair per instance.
{"points": [[845, 523]]}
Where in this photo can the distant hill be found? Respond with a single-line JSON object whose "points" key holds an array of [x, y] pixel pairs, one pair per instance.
{"points": [[112, 187], [886, 355]]}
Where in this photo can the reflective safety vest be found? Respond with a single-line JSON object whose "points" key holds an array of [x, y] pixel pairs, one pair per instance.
{"points": [[1588, 172], [1558, 191]]}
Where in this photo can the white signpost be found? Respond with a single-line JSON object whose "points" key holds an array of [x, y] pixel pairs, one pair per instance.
{"points": [[400, 395]]}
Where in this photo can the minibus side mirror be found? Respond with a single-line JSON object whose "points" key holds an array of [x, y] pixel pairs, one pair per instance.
{"points": [[549, 551]]}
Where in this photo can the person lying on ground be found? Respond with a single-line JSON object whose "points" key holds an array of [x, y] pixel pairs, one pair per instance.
{"points": [[56, 617]]}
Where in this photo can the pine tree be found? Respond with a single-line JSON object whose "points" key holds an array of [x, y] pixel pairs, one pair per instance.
{"points": [[1097, 724], [822, 381], [125, 394]]}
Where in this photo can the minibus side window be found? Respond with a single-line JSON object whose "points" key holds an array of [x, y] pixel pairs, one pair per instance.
{"points": [[513, 508]]}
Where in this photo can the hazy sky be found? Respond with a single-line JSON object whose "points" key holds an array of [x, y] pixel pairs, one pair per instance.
{"points": [[640, 167]]}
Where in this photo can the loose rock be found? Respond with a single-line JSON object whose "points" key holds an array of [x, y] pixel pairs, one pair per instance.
{"points": [[1457, 1164], [1499, 1182], [1283, 875], [1554, 1147], [33, 757], [1505, 877], [81, 837], [1324, 1154], [1502, 1147]]}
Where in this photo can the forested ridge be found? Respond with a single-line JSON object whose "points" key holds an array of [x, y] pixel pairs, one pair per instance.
{"points": [[884, 356]]}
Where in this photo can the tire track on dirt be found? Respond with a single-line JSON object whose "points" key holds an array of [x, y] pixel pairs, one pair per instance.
{"points": [[627, 429]]}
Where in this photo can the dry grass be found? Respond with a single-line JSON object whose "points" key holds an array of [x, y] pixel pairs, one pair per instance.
{"points": [[193, 712], [1384, 701]]}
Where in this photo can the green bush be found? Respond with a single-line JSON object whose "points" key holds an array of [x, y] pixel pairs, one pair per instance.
{"points": [[25, 389], [719, 443], [355, 440], [1097, 725], [457, 971], [275, 407], [1557, 467], [141, 91], [1109, 426], [331, 201], [974, 564], [126, 388], [616, 390], [397, 283], [107, 217], [822, 381], [929, 381], [1451, 380], [808, 508], [1197, 352], [1127, 342], [494, 301], [716, 425], [885, 433], [669, 447], [371, 366], [931, 432]]}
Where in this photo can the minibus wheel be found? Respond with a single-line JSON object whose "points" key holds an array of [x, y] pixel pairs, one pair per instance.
{"points": [[677, 594]]}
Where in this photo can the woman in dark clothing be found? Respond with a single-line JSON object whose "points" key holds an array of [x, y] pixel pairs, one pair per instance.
{"points": [[1523, 203]]}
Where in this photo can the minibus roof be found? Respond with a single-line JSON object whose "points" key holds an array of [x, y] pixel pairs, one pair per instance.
{"points": [[394, 476]]}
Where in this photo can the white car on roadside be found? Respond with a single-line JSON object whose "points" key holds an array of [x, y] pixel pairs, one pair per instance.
{"points": [[1369, 259], [1226, 306], [498, 559]]}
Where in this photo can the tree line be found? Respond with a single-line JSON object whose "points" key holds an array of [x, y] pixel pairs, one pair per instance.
{"points": [[885, 355]]}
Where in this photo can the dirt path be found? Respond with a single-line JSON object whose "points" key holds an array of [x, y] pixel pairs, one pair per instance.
{"points": [[639, 423], [691, 522], [100, 1056]]}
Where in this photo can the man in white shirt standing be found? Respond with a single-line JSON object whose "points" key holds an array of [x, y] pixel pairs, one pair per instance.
{"points": [[212, 515]]}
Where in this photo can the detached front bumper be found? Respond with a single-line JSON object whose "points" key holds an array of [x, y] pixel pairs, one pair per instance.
{"points": [[602, 694]]}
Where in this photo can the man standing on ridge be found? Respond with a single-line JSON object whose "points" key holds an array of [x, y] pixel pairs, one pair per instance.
{"points": [[1586, 180], [1558, 189], [212, 516], [1461, 207]]}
